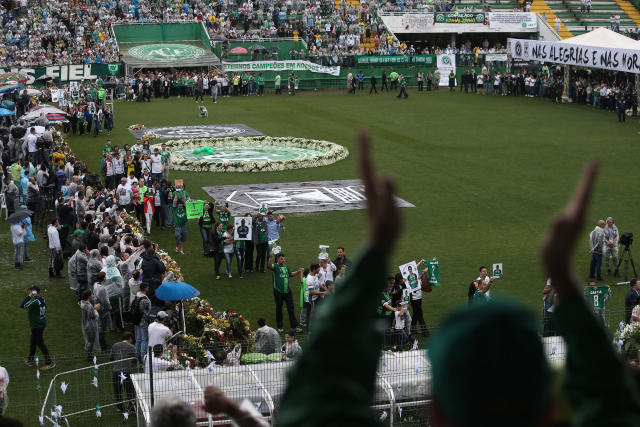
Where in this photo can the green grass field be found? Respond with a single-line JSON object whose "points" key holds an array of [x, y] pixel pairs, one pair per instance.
{"points": [[485, 175]]}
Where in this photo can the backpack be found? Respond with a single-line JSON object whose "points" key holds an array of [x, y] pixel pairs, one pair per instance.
{"points": [[136, 313]]}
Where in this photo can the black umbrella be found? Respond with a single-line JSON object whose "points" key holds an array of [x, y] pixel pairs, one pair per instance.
{"points": [[257, 47], [44, 78], [18, 216]]}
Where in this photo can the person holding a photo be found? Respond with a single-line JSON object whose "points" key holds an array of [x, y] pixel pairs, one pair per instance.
{"points": [[274, 226], [282, 289]]}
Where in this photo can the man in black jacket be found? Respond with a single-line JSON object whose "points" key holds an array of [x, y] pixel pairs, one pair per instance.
{"points": [[630, 299], [152, 269]]}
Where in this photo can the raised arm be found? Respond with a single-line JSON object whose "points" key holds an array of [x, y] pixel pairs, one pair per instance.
{"points": [[600, 385], [349, 375]]}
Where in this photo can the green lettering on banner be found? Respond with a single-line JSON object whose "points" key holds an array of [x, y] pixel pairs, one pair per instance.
{"points": [[460, 18], [401, 59], [194, 208]]}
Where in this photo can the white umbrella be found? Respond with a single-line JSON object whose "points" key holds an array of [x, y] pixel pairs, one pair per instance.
{"points": [[33, 92], [34, 114]]}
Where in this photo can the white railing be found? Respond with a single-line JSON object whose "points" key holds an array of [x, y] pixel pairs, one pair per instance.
{"points": [[546, 30]]}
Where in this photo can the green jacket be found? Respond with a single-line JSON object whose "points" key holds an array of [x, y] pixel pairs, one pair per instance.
{"points": [[180, 216], [37, 309]]}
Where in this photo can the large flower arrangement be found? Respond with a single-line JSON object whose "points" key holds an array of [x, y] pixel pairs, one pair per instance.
{"points": [[630, 337], [331, 153], [217, 330]]}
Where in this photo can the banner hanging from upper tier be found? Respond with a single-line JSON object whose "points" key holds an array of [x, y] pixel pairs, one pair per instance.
{"points": [[295, 65], [627, 60]]}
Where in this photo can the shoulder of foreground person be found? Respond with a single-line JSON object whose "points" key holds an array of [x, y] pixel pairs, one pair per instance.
{"points": [[597, 382]]}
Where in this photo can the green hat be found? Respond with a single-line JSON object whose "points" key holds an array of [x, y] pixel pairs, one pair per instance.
{"points": [[78, 232], [489, 367]]}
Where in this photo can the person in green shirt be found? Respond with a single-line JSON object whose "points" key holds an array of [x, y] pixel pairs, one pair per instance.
{"points": [[600, 387], [166, 158], [260, 84], [107, 147], [218, 244], [282, 290], [179, 193], [236, 85], [403, 87], [206, 227], [180, 225], [261, 239], [277, 82], [36, 307], [224, 215]]}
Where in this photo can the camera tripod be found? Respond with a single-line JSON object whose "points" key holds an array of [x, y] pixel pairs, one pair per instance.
{"points": [[627, 258]]}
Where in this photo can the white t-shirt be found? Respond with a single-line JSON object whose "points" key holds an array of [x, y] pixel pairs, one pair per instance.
{"points": [[31, 142], [159, 365], [156, 163], [124, 194], [228, 247], [158, 334], [322, 276], [399, 320], [312, 285], [328, 271]]}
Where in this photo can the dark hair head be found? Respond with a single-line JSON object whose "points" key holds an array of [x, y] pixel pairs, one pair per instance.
{"points": [[144, 286], [481, 268], [136, 276], [86, 294], [314, 267], [291, 332], [633, 281], [127, 336], [100, 276], [262, 322], [35, 288]]}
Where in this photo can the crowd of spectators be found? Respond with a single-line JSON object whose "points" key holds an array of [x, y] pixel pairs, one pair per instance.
{"points": [[62, 32]]}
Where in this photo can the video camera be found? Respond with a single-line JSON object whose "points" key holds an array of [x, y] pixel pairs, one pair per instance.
{"points": [[626, 239]]}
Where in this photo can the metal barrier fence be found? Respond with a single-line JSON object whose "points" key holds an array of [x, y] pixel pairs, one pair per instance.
{"points": [[83, 391]]}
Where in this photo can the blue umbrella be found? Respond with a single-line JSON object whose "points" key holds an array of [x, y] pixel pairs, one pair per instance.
{"points": [[4, 112], [176, 291]]}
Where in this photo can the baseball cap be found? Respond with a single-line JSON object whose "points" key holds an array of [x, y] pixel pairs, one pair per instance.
{"points": [[162, 315], [78, 232]]}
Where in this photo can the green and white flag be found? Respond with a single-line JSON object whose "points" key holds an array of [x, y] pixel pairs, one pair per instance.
{"points": [[433, 269]]}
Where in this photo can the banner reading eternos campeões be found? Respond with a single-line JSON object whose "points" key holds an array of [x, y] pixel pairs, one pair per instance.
{"points": [[296, 65], [627, 60]]}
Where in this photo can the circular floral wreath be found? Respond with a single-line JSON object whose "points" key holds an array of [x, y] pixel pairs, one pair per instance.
{"points": [[331, 153]]}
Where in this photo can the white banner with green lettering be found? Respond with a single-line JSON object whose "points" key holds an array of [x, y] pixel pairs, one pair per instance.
{"points": [[608, 58], [284, 66]]}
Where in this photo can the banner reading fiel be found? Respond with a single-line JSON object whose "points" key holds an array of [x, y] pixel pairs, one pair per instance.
{"points": [[295, 65]]}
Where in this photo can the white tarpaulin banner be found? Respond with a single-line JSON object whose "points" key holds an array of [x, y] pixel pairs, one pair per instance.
{"points": [[296, 65], [417, 23], [627, 60], [495, 57], [512, 21], [445, 64]]}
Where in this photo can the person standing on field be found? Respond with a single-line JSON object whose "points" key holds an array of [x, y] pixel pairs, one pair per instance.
{"points": [[36, 306], [282, 290]]}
